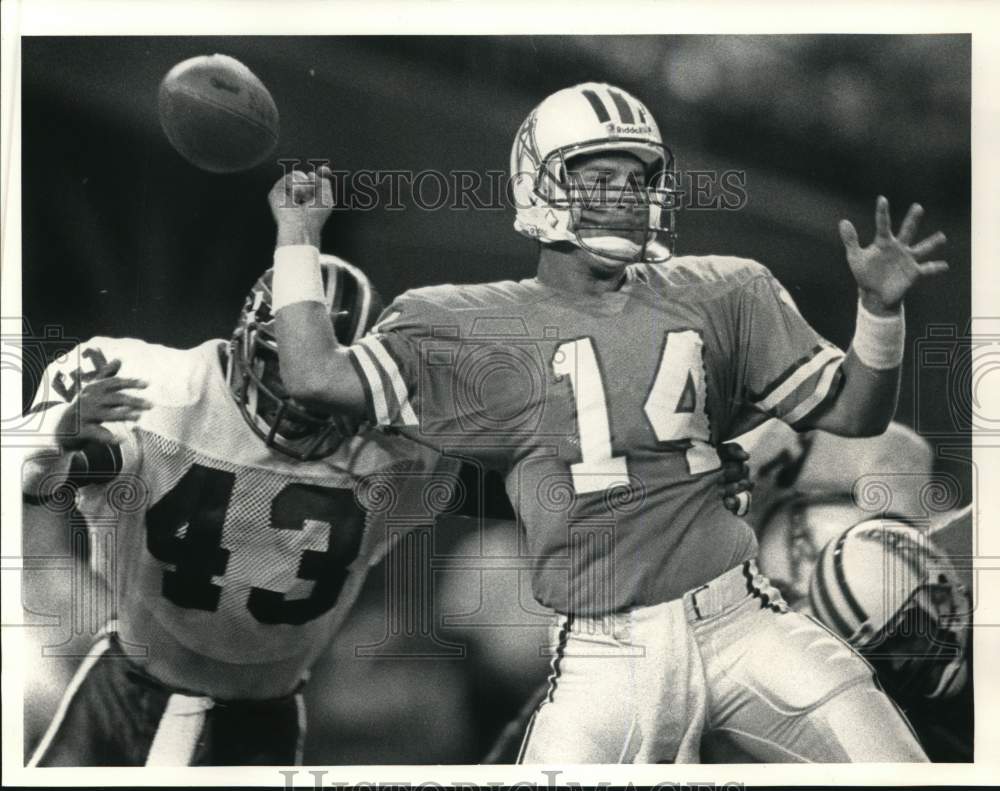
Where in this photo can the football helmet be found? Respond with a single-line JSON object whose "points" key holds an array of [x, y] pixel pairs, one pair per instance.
{"points": [[253, 371], [591, 119], [886, 589], [793, 531]]}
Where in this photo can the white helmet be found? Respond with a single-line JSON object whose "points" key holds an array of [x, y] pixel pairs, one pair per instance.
{"points": [[590, 118], [886, 589], [792, 533]]}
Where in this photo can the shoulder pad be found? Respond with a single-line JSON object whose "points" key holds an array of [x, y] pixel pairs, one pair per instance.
{"points": [[708, 268], [702, 277], [466, 296]]}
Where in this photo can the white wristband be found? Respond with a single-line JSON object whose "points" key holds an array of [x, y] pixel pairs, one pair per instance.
{"points": [[297, 276], [879, 341]]}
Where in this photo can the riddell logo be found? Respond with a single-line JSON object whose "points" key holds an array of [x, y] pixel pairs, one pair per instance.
{"points": [[619, 129]]}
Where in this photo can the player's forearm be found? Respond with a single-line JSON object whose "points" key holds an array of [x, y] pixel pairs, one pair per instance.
{"points": [[315, 369], [866, 401], [865, 404]]}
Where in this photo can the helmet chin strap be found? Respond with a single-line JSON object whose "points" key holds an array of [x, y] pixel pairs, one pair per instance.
{"points": [[615, 247]]}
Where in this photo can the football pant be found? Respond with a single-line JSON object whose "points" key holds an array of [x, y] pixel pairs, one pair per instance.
{"points": [[725, 674], [113, 714]]}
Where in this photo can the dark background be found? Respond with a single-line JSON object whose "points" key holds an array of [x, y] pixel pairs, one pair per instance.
{"points": [[123, 237]]}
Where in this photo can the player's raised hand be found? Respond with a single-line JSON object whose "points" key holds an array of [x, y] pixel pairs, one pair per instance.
{"points": [[103, 400], [887, 268], [301, 203]]}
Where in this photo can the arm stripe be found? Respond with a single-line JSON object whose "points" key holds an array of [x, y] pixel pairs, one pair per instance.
{"points": [[373, 385], [797, 377], [384, 359], [776, 382], [825, 402], [818, 395], [369, 402]]}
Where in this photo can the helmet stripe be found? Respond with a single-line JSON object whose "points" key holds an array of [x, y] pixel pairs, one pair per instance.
{"points": [[838, 570], [822, 587], [595, 101], [623, 109]]}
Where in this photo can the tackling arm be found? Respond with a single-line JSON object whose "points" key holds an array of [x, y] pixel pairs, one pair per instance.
{"points": [[82, 450]]}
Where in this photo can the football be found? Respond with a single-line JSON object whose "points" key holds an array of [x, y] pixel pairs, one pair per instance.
{"points": [[217, 114]]}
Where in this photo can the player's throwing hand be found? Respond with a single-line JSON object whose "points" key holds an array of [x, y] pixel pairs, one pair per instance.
{"points": [[887, 268], [301, 203], [102, 401]]}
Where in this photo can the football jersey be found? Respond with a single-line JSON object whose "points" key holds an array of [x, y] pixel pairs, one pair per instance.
{"points": [[604, 411], [233, 565]]}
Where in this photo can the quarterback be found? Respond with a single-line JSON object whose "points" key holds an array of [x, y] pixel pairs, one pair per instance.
{"points": [[601, 387], [242, 528]]}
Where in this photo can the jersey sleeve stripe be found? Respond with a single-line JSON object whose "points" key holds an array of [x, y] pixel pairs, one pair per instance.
{"points": [[374, 392], [818, 395], [777, 381], [794, 378], [388, 365]]}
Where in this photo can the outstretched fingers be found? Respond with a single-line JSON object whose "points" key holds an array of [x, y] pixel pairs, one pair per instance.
{"points": [[927, 247], [883, 224], [932, 268], [849, 236], [910, 223]]}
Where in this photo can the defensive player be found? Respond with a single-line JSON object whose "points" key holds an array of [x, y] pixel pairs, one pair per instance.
{"points": [[241, 535], [601, 387]]}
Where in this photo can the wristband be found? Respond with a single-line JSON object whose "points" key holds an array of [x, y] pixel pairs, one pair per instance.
{"points": [[297, 276], [879, 341]]}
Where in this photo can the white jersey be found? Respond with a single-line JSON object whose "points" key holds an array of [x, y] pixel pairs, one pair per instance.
{"points": [[233, 565]]}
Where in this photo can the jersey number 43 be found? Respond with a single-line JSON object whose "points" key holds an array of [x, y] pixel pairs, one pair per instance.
{"points": [[185, 530]]}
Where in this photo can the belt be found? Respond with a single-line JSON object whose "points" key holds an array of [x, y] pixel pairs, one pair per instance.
{"points": [[730, 588]]}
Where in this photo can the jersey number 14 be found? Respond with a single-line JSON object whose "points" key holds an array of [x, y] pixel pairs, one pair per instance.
{"points": [[674, 407]]}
